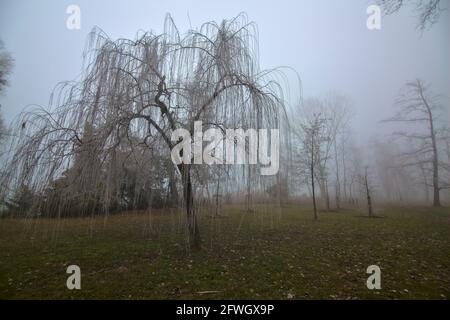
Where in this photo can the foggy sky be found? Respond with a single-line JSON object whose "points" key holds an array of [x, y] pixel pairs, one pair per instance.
{"points": [[326, 42]]}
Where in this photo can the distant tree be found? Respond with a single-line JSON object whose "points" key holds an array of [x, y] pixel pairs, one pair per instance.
{"points": [[417, 105], [334, 112], [279, 191], [311, 135], [339, 115], [398, 182]]}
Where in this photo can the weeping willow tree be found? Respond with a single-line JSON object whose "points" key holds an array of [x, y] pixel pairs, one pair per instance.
{"points": [[131, 97]]}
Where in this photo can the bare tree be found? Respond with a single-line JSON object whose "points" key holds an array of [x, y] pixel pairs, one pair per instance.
{"points": [[417, 105], [334, 111], [138, 93], [315, 122], [428, 11], [339, 123], [311, 136], [397, 182]]}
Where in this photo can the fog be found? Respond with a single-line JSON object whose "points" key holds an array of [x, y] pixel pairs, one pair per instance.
{"points": [[326, 42], [331, 62]]}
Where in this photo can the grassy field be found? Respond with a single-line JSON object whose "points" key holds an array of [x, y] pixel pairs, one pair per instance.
{"points": [[262, 255]]}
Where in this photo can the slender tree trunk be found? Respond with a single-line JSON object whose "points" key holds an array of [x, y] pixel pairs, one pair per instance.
{"points": [[344, 171], [312, 179], [436, 198], [313, 192], [217, 195], [338, 197], [369, 198], [338, 182], [194, 234], [327, 195], [278, 190], [350, 191]]}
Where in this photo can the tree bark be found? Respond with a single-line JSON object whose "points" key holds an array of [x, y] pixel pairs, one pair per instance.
{"points": [[188, 195], [173, 200]]}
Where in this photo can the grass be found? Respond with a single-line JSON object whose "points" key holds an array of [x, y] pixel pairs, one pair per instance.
{"points": [[263, 255]]}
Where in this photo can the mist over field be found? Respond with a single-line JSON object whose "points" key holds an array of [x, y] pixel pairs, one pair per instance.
{"points": [[225, 150]]}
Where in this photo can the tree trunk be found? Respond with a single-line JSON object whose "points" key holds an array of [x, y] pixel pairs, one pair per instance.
{"points": [[338, 182], [188, 195], [217, 196], [172, 195], [279, 190], [312, 179], [338, 196], [436, 199], [344, 171], [369, 198], [313, 192], [248, 197], [327, 196]]}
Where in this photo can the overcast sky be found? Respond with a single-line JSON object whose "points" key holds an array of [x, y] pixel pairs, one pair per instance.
{"points": [[326, 42]]}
